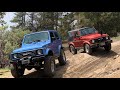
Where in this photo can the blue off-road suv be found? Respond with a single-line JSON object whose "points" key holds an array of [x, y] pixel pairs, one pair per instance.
{"points": [[38, 50]]}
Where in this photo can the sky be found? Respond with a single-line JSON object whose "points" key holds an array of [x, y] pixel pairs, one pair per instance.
{"points": [[9, 16]]}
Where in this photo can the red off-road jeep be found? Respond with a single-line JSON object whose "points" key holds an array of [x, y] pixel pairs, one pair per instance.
{"points": [[88, 39]]}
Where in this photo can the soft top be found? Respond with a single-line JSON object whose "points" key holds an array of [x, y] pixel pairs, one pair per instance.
{"points": [[79, 29]]}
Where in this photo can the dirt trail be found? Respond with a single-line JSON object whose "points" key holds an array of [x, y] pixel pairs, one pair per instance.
{"points": [[98, 65]]}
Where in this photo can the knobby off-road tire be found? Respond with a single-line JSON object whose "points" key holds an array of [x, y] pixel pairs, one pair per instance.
{"points": [[62, 57], [17, 72], [49, 66], [88, 49], [107, 47], [72, 49]]}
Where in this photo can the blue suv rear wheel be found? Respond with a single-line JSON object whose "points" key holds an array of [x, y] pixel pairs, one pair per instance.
{"points": [[62, 57]]}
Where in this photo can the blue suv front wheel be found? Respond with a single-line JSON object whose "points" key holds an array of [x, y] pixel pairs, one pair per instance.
{"points": [[17, 71], [49, 66]]}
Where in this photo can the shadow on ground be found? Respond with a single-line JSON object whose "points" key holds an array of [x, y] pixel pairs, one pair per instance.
{"points": [[60, 70], [100, 52], [103, 59], [35, 74]]}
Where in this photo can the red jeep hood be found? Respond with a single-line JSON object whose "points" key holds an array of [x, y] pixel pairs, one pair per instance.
{"points": [[93, 36]]}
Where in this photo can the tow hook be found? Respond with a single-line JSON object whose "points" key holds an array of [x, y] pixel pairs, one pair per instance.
{"points": [[19, 67]]}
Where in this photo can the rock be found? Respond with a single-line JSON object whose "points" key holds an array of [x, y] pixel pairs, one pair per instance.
{"points": [[116, 56]]}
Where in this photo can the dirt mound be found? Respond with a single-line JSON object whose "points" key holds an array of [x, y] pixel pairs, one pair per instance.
{"points": [[100, 64]]}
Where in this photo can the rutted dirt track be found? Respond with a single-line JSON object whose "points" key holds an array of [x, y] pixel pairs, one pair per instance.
{"points": [[98, 65]]}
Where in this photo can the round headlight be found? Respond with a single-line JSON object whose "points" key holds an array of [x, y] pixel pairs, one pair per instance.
{"points": [[39, 51], [15, 55], [93, 41]]}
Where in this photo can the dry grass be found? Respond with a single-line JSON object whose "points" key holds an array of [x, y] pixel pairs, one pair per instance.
{"points": [[116, 38], [3, 70]]}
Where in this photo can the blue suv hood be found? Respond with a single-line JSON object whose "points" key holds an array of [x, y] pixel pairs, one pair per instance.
{"points": [[30, 47]]}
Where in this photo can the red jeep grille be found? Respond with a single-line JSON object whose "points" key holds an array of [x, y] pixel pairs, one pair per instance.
{"points": [[100, 40]]}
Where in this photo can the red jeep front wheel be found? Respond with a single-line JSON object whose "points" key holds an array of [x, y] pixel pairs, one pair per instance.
{"points": [[72, 49], [107, 47], [87, 49]]}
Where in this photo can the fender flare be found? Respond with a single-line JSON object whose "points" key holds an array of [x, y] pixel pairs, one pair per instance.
{"points": [[48, 50], [59, 48], [86, 42], [71, 43]]}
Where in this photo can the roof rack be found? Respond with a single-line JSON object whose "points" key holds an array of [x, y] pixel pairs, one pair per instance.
{"points": [[79, 29]]}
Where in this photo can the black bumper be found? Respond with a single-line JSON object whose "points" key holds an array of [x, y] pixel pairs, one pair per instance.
{"points": [[95, 45], [32, 59]]}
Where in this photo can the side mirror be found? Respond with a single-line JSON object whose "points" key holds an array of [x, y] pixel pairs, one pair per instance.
{"points": [[77, 36], [20, 44]]}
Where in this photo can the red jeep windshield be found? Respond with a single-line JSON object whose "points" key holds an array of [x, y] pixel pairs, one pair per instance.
{"points": [[87, 31]]}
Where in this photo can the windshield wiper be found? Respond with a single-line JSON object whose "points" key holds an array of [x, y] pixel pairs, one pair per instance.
{"points": [[29, 42], [33, 41], [37, 40]]}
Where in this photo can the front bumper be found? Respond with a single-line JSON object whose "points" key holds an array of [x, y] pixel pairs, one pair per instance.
{"points": [[28, 60], [100, 44]]}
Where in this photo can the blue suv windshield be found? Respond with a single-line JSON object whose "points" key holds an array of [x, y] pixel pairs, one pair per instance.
{"points": [[36, 37]]}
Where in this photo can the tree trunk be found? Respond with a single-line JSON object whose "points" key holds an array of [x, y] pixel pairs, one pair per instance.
{"points": [[1, 53]]}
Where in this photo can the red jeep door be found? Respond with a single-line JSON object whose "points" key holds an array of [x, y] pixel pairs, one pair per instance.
{"points": [[76, 39], [81, 40]]}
